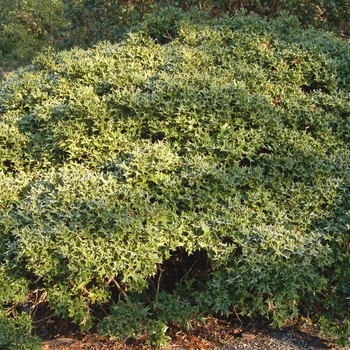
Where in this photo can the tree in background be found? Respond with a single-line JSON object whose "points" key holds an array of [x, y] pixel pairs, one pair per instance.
{"points": [[93, 21], [26, 27]]}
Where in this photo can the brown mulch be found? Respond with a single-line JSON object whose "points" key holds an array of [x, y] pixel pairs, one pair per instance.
{"points": [[214, 334]]}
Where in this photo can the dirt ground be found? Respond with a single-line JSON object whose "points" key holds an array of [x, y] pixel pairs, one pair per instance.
{"points": [[215, 334]]}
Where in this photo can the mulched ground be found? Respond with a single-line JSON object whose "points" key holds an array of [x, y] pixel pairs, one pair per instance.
{"points": [[215, 334]]}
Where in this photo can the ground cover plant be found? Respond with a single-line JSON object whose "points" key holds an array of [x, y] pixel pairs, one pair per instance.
{"points": [[198, 167]]}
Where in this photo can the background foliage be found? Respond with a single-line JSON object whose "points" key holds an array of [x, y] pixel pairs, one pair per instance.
{"points": [[26, 27], [30, 26], [213, 148]]}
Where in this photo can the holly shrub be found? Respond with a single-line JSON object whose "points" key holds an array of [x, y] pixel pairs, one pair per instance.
{"points": [[200, 166]]}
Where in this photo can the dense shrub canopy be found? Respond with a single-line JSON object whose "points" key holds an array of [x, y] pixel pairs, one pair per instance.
{"points": [[215, 147]]}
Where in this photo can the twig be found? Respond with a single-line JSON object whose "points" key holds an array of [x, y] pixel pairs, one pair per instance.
{"points": [[158, 285], [234, 310], [188, 272], [43, 319], [118, 287], [159, 278]]}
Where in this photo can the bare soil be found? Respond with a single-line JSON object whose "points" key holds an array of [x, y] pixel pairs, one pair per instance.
{"points": [[214, 334]]}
